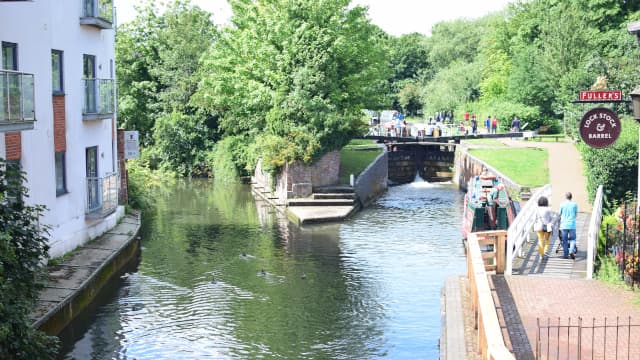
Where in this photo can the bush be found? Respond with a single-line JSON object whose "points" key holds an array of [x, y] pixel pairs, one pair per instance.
{"points": [[144, 183], [23, 250], [614, 167]]}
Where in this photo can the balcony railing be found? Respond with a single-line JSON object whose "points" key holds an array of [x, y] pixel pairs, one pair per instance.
{"points": [[102, 195], [98, 99], [17, 101], [98, 13]]}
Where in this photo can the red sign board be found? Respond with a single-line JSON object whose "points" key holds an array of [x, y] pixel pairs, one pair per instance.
{"points": [[600, 127], [601, 95]]}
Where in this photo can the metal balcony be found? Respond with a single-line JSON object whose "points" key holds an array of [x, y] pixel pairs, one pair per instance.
{"points": [[17, 101], [98, 99], [97, 13], [102, 195]]}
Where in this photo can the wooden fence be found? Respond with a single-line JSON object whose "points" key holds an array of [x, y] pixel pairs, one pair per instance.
{"points": [[486, 252]]}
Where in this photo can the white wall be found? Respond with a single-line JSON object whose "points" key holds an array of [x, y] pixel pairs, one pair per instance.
{"points": [[38, 27]]}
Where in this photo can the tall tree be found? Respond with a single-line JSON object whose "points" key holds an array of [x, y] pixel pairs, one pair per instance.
{"points": [[291, 76]]}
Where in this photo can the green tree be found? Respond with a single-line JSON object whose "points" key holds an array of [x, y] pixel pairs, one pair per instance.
{"points": [[456, 85], [294, 76], [410, 97], [158, 66], [23, 250]]}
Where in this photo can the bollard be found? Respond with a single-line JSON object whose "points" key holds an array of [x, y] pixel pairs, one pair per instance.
{"points": [[351, 180]]}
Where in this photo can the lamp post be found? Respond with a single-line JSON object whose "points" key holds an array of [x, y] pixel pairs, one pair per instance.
{"points": [[634, 29]]}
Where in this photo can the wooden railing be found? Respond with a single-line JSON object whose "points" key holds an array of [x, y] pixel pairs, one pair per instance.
{"points": [[486, 252]]}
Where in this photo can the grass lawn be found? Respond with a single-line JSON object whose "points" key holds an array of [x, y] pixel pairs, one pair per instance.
{"points": [[355, 157], [527, 167], [487, 142]]}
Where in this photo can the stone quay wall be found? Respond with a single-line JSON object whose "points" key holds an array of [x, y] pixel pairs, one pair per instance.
{"points": [[297, 179], [372, 182]]}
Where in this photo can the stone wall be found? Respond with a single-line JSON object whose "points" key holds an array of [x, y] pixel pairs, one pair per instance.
{"points": [[372, 182], [298, 179]]}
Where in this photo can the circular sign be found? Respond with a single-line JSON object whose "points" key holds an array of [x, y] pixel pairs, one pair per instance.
{"points": [[600, 127]]}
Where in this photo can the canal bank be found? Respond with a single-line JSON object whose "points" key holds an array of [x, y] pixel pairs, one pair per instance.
{"points": [[74, 283]]}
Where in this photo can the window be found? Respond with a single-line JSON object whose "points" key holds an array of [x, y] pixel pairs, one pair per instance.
{"points": [[56, 72], [61, 177], [9, 56]]}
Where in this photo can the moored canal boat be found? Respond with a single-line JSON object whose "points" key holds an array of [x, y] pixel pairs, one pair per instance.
{"points": [[487, 205]]}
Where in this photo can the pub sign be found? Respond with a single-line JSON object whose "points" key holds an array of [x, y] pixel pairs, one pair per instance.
{"points": [[600, 127]]}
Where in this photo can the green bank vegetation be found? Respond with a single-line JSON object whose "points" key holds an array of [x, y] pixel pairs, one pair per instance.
{"points": [[527, 166], [355, 157]]}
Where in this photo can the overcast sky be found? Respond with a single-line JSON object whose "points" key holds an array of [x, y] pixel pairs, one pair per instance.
{"points": [[396, 17]]}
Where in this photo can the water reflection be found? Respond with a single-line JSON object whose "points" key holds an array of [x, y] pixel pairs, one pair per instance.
{"points": [[223, 276]]}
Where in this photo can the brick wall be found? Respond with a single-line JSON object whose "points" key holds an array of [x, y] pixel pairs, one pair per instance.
{"points": [[13, 145], [123, 196], [298, 179], [59, 124]]}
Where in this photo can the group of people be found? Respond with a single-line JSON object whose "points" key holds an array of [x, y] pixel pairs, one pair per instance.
{"points": [[546, 221]]}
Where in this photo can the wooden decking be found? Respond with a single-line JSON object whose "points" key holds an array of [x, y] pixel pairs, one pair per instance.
{"points": [[555, 265]]}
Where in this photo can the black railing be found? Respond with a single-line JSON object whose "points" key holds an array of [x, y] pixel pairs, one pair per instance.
{"points": [[621, 243], [584, 339]]}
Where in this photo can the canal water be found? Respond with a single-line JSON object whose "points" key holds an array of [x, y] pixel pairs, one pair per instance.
{"points": [[223, 276]]}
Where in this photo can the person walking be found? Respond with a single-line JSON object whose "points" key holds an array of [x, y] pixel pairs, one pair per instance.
{"points": [[487, 124], [543, 225], [515, 125], [474, 125], [568, 213], [494, 125]]}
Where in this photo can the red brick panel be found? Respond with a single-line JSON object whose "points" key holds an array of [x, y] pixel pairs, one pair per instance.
{"points": [[123, 197], [59, 123], [13, 145]]}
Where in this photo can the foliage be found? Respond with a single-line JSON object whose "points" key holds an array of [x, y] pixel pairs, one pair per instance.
{"points": [[410, 98], [158, 70], [614, 167], [23, 250], [145, 183], [527, 167], [452, 87], [181, 141], [228, 154], [609, 271], [293, 76]]}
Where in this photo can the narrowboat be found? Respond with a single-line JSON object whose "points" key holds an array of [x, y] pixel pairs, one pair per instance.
{"points": [[487, 205]]}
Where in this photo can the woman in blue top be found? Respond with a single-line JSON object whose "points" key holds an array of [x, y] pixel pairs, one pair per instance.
{"points": [[568, 213]]}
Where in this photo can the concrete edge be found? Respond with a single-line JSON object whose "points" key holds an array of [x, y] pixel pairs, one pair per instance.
{"points": [[84, 290]]}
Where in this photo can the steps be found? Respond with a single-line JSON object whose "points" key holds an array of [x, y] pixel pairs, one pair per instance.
{"points": [[327, 196]]}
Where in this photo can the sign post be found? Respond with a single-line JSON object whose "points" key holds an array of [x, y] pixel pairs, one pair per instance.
{"points": [[131, 145]]}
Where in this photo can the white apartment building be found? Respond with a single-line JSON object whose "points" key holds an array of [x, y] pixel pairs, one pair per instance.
{"points": [[58, 112]]}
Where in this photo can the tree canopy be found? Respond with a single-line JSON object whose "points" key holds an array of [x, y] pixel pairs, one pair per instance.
{"points": [[292, 77]]}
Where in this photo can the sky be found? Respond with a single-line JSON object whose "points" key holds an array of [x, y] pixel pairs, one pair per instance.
{"points": [[396, 17]]}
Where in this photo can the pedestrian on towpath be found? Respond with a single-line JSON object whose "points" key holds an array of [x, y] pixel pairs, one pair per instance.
{"points": [[487, 124], [543, 225], [474, 125], [568, 213], [494, 125]]}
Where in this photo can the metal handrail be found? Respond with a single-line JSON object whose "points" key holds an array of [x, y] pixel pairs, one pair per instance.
{"points": [[102, 194], [520, 229], [98, 96], [594, 228], [17, 96]]}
